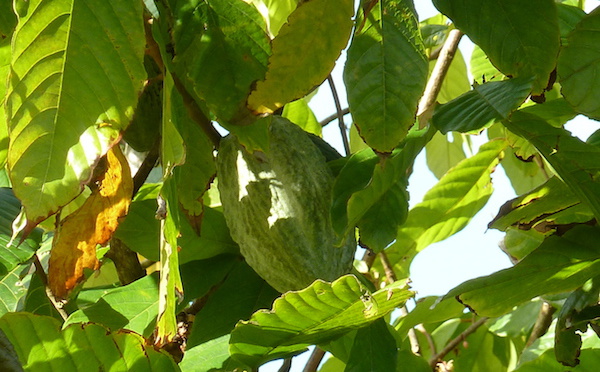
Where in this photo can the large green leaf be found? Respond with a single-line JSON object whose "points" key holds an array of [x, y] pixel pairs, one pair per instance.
{"points": [[449, 206], [486, 102], [222, 47], [42, 346], [576, 162], [313, 315], [578, 66], [132, 307], [386, 73], [76, 73], [302, 58], [443, 153], [559, 264], [374, 349], [523, 41]]}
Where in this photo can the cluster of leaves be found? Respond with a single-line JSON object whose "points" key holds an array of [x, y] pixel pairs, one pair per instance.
{"points": [[90, 94]]}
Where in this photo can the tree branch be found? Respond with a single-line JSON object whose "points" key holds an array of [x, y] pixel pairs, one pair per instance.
{"points": [[434, 84], [340, 115], [146, 167], [39, 270], [542, 323], [286, 366], [315, 359], [455, 342], [332, 117], [126, 262]]}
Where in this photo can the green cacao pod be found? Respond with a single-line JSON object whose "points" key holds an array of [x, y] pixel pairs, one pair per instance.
{"points": [[277, 206]]}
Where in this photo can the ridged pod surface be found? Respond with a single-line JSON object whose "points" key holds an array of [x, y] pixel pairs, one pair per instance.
{"points": [[277, 206]]}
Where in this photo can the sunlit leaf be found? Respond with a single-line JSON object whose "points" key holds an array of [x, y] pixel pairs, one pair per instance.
{"points": [[449, 206], [132, 307], [510, 44], [486, 102], [4, 70], [313, 315], [41, 345], [576, 162], [443, 153], [559, 264], [62, 116], [386, 73], [482, 69], [484, 351], [578, 66], [13, 288], [301, 57], [552, 203], [556, 112], [275, 12], [299, 113], [429, 311], [75, 240]]}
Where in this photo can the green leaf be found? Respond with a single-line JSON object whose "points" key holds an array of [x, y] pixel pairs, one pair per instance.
{"points": [[523, 41], [550, 204], [517, 323], [428, 310], [13, 289], [382, 206], [449, 206], [482, 69], [242, 293], [64, 117], [578, 66], [42, 346], [213, 354], [486, 102], [132, 307], [484, 351], [443, 154], [8, 21], [140, 231], [386, 73], [37, 301], [313, 315], [222, 48], [556, 112], [576, 162], [374, 349], [9, 361], [568, 17], [519, 243], [541, 356], [4, 70], [299, 113], [276, 13], [559, 264], [301, 57]]}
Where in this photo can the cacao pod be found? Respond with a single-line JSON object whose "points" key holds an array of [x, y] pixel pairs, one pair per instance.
{"points": [[277, 206]]}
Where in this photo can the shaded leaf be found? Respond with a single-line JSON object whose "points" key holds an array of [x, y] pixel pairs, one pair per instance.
{"points": [[511, 44], [242, 293], [576, 162], [556, 112], [133, 307], [37, 301], [486, 102], [374, 349], [222, 48], [385, 73], [8, 20], [41, 345], [518, 243], [484, 351], [299, 63], [63, 117], [314, 315], [559, 264], [9, 361], [75, 240], [578, 66], [213, 354], [13, 288], [449, 206], [428, 310], [568, 18], [482, 69]]}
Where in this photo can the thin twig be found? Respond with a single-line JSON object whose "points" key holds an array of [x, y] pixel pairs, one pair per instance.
{"points": [[430, 341], [542, 323], [146, 167], [340, 115], [315, 359], [333, 117], [455, 342], [39, 270], [434, 84], [387, 267]]}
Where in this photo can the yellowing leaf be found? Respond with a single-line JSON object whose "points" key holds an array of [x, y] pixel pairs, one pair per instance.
{"points": [[74, 246]]}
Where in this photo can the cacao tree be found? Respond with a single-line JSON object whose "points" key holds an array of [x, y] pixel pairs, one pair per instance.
{"points": [[169, 201]]}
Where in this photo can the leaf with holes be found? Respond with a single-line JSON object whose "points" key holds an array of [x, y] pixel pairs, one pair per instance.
{"points": [[75, 76]]}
